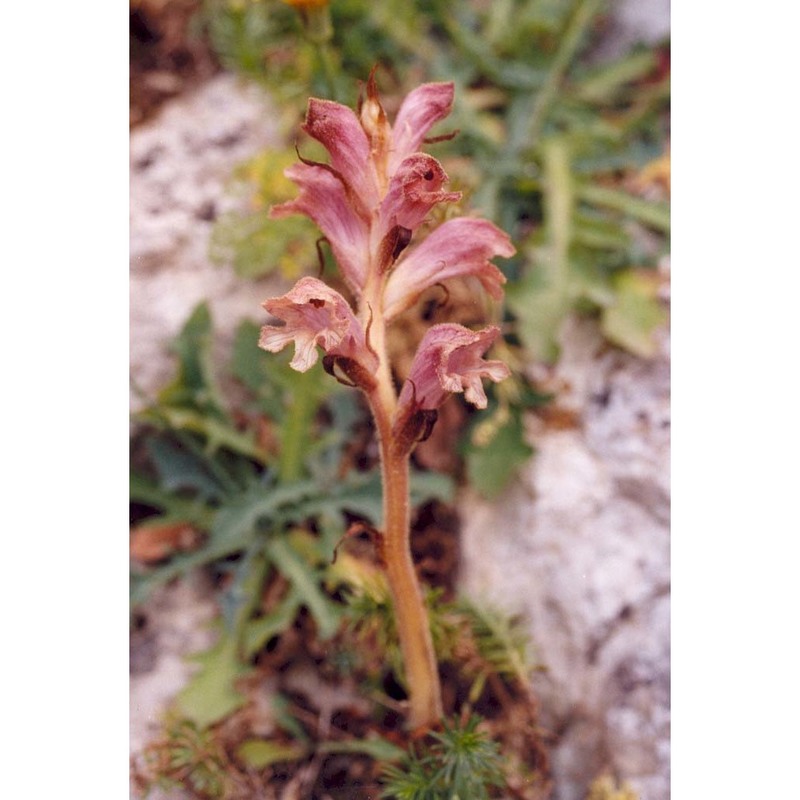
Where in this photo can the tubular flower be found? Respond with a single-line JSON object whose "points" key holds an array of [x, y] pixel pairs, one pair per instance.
{"points": [[457, 248], [449, 360], [314, 314], [323, 197]]}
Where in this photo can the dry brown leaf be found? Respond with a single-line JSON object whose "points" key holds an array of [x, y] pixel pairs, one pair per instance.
{"points": [[155, 542]]}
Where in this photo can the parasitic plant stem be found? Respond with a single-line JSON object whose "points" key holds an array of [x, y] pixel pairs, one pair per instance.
{"points": [[411, 617]]}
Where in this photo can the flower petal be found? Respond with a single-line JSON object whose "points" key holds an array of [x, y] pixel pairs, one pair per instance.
{"points": [[338, 128], [324, 199], [457, 248], [314, 314], [414, 190], [449, 360], [421, 109]]}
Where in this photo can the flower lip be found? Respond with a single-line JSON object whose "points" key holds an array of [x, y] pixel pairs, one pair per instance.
{"points": [[449, 359], [314, 314]]}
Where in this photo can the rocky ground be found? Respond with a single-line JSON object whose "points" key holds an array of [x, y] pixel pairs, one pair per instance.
{"points": [[180, 165], [579, 545]]}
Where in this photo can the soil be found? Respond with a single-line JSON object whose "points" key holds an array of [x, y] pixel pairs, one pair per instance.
{"points": [[324, 688]]}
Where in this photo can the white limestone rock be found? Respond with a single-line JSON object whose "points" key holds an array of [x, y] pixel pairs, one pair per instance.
{"points": [[580, 546], [181, 162]]}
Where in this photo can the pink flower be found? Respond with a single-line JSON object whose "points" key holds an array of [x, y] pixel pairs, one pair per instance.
{"points": [[449, 360], [323, 197], [339, 130], [415, 188], [458, 248], [421, 110], [369, 200], [314, 314]]}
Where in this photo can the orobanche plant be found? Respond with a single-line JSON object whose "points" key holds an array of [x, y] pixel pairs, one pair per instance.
{"points": [[369, 202]]}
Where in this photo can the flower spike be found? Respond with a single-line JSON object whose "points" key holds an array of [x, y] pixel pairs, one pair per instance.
{"points": [[376, 180]]}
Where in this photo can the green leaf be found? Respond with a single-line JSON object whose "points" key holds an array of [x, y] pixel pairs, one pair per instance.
{"points": [[596, 232], [374, 746], [143, 585], [217, 432], [501, 640], [304, 580], [260, 753], [654, 214], [541, 300], [604, 83], [195, 384], [259, 631], [491, 465], [291, 399], [143, 490], [506, 73], [234, 526], [242, 594], [248, 362], [210, 695], [180, 468], [360, 493], [636, 313], [232, 530], [540, 309], [460, 763], [237, 521]]}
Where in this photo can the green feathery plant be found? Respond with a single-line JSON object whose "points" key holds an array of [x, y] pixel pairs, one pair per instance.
{"points": [[460, 763]]}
